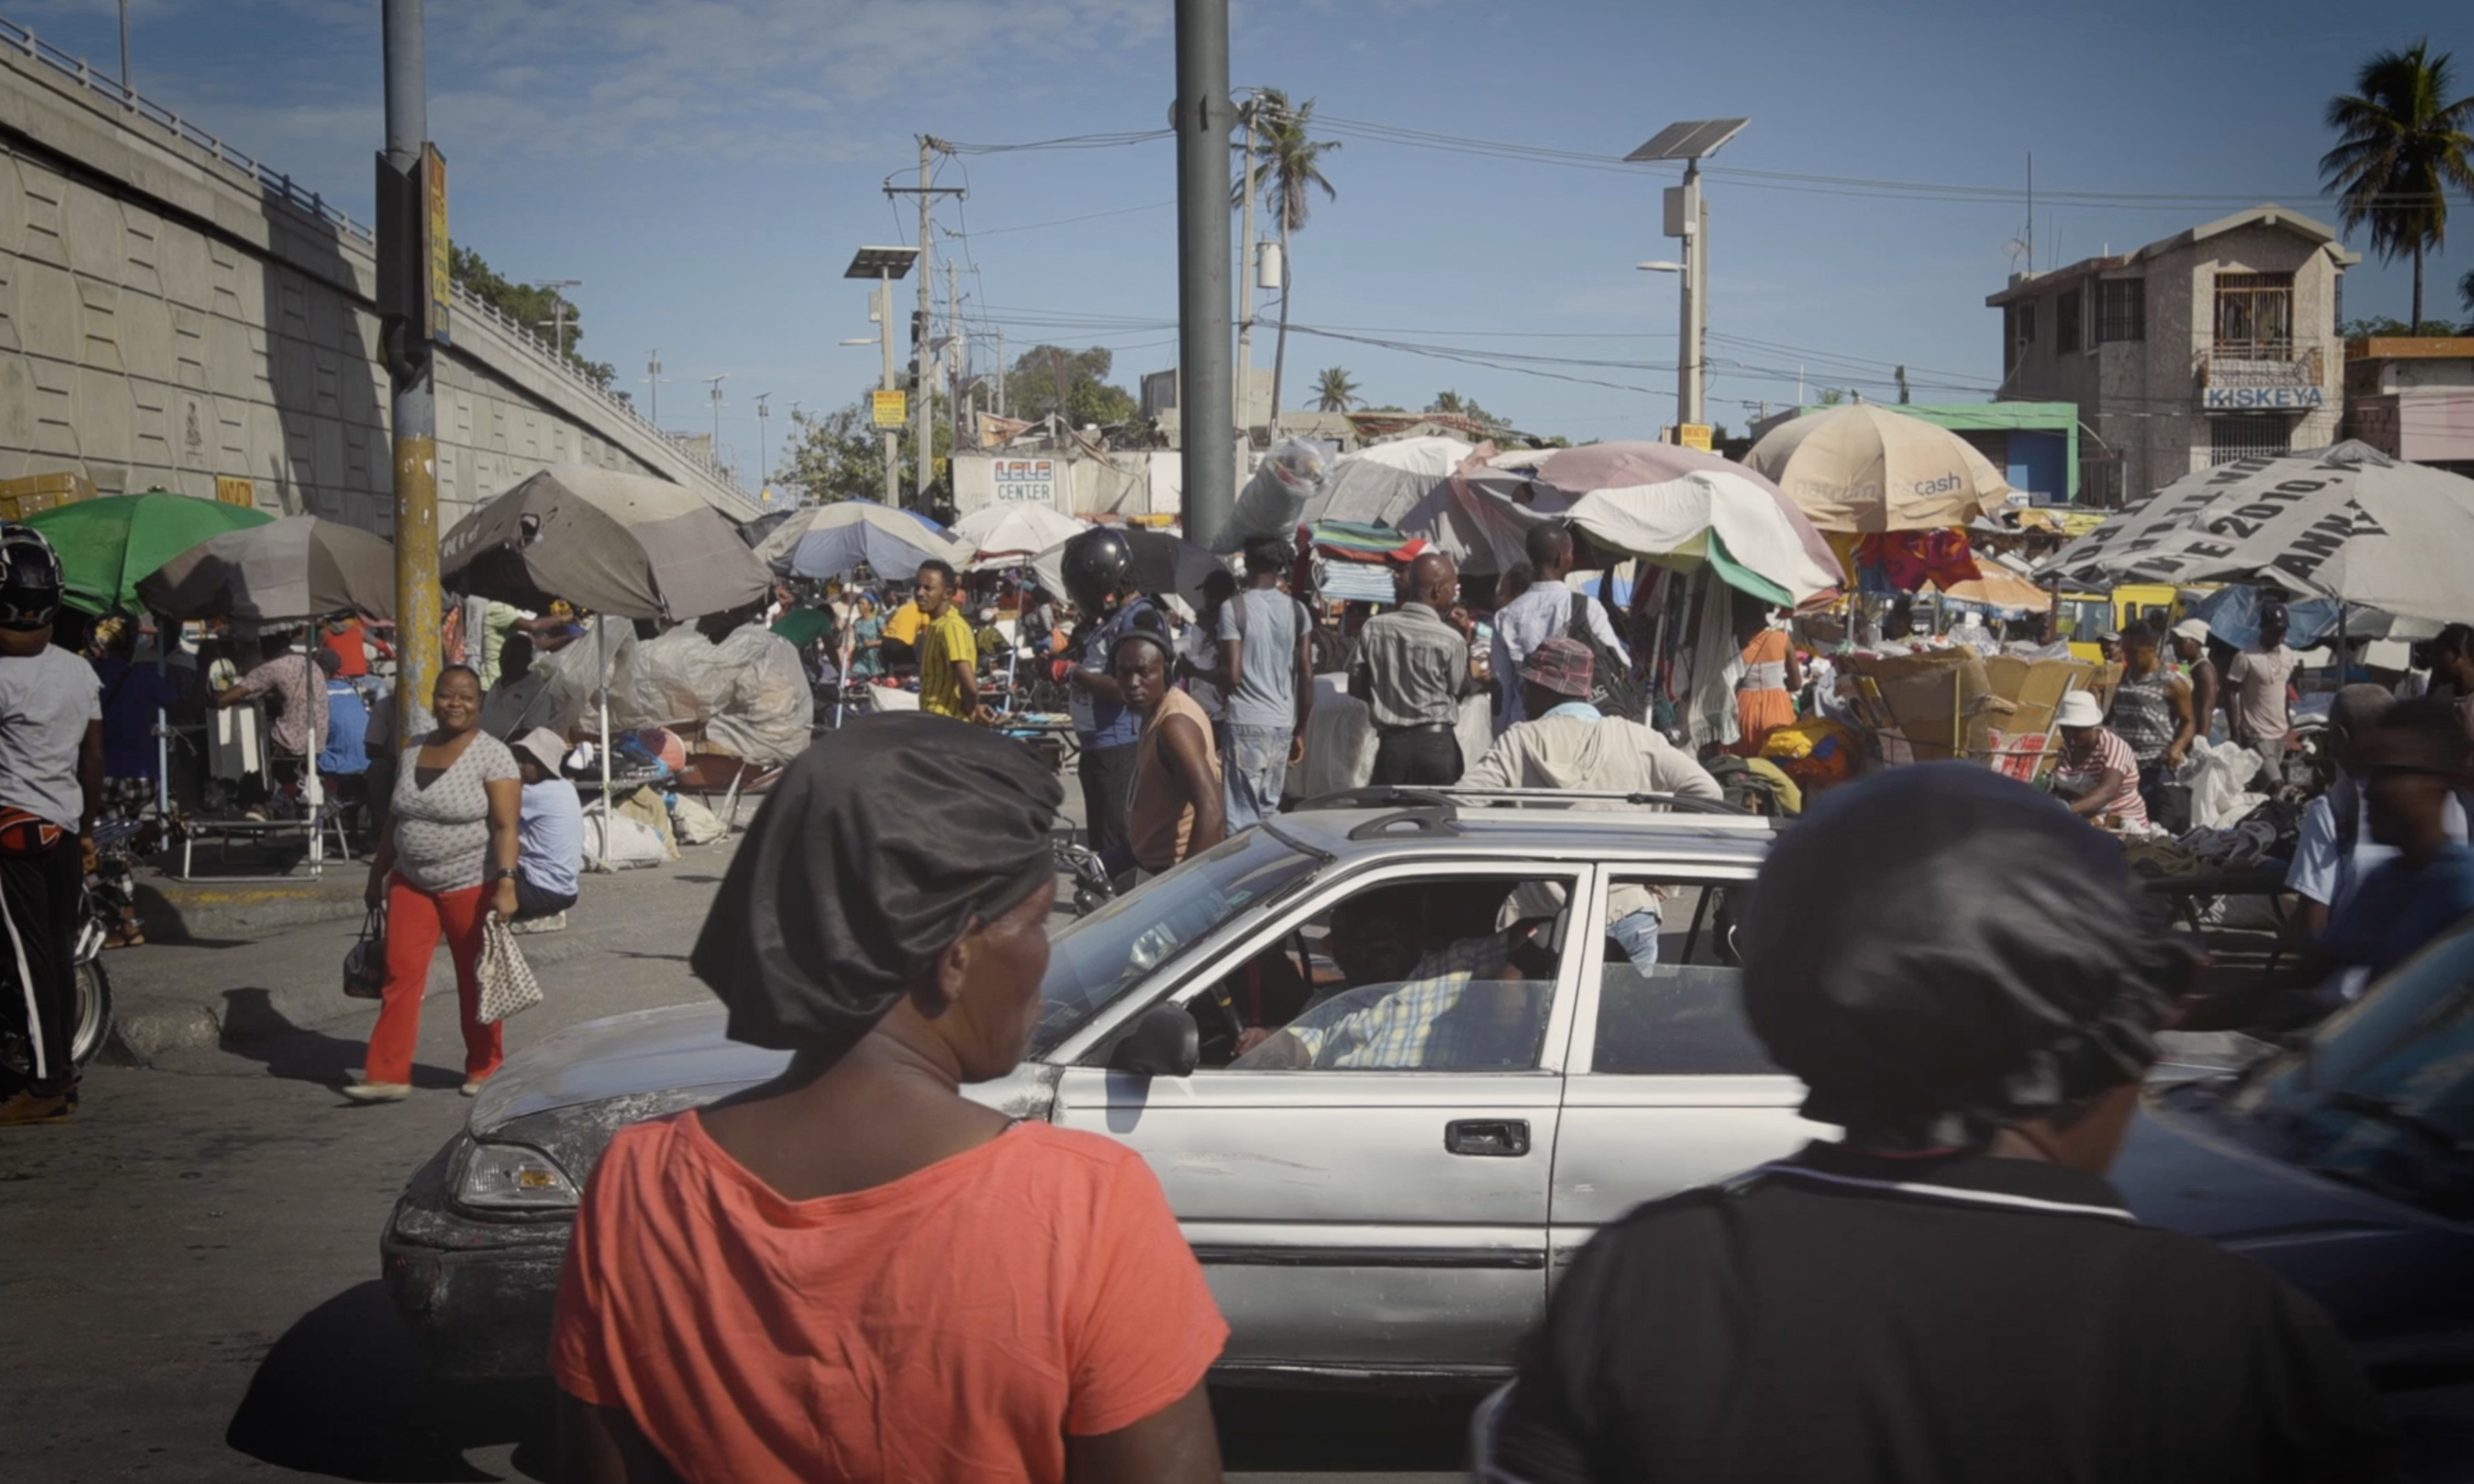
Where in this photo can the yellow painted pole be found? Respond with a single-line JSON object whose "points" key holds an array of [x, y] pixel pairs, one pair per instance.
{"points": [[418, 617]]}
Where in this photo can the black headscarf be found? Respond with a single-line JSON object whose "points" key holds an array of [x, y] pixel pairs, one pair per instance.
{"points": [[1939, 950], [878, 848]]}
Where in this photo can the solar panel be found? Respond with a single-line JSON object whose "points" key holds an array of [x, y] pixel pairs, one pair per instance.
{"points": [[1695, 140], [870, 262]]}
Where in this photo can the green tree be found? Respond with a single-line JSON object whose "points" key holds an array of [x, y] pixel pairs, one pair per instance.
{"points": [[1288, 167], [1831, 397], [1335, 390], [1902, 374], [2466, 298], [841, 455], [2400, 149], [1453, 404], [2385, 327], [1048, 379], [535, 309]]}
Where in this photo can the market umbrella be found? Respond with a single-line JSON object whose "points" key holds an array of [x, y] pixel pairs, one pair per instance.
{"points": [[830, 540], [1678, 506], [298, 567], [1014, 530], [2001, 590], [2346, 522], [1378, 486], [106, 544], [1866, 469], [624, 544], [1163, 564]]}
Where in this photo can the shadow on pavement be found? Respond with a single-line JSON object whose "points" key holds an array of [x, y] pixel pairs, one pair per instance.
{"points": [[343, 1394], [1339, 1431], [253, 1029]]}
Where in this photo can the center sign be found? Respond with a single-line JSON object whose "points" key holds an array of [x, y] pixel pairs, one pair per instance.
{"points": [[1025, 480]]}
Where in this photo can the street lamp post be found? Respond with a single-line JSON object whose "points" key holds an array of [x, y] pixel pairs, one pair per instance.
{"points": [[653, 379], [764, 447], [885, 265], [1687, 217], [716, 380]]}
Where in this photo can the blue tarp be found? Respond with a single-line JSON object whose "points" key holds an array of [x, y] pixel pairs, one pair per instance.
{"points": [[2232, 615]]}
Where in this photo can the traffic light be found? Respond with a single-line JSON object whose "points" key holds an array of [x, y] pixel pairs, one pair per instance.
{"points": [[918, 326]]}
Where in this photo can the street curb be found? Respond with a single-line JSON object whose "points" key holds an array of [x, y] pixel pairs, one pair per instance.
{"points": [[143, 1031], [190, 911]]}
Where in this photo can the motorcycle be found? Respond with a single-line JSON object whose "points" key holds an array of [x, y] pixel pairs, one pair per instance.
{"points": [[105, 902], [1092, 888]]}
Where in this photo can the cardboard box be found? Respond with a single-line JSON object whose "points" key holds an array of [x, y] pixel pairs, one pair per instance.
{"points": [[23, 496]]}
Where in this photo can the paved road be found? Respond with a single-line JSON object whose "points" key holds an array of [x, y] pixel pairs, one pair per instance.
{"points": [[190, 1289]]}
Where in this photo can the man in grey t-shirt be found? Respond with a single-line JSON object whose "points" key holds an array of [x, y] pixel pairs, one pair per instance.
{"points": [[51, 779], [1266, 657]]}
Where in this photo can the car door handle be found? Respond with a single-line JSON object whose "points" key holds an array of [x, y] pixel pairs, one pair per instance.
{"points": [[1498, 1139]]}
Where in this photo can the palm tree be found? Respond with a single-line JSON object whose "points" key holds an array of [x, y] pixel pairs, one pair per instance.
{"points": [[1289, 167], [1335, 390], [2399, 148]]}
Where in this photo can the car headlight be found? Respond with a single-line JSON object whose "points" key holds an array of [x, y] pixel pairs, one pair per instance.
{"points": [[513, 1176]]}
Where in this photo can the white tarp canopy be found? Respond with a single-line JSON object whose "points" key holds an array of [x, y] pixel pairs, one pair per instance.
{"points": [[1014, 531], [1377, 486], [2348, 522]]}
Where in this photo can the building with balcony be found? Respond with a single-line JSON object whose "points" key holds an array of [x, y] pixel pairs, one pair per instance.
{"points": [[2214, 345], [2412, 398]]}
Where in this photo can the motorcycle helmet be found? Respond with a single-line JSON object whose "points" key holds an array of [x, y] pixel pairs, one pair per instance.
{"points": [[30, 578], [1099, 564]]}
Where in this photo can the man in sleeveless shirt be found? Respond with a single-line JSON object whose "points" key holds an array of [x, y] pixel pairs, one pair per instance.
{"points": [[1176, 809]]}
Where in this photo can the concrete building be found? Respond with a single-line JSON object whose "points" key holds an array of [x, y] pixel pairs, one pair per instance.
{"points": [[2034, 445], [2412, 397], [2214, 345], [175, 314]]}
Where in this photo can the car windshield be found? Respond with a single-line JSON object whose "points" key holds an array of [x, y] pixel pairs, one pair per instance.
{"points": [[1100, 957], [2383, 1095]]}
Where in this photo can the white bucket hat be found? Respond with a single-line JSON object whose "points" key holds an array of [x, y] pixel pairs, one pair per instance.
{"points": [[2079, 709]]}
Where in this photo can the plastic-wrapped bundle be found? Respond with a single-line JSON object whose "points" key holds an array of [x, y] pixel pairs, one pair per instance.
{"points": [[749, 690], [1272, 501]]}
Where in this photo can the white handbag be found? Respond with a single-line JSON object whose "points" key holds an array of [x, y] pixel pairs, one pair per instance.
{"points": [[507, 984]]}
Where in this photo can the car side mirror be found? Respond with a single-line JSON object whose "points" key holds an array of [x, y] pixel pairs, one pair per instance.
{"points": [[1165, 1043]]}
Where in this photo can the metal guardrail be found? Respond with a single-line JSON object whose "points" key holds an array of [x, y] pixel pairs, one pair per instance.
{"points": [[77, 70]]}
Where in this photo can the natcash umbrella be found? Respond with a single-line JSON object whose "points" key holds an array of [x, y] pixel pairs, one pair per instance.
{"points": [[2345, 522], [299, 567], [1868, 468], [629, 545], [1014, 531], [107, 544], [1679, 506], [830, 540]]}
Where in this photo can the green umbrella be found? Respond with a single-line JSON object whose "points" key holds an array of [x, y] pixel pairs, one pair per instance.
{"points": [[110, 543]]}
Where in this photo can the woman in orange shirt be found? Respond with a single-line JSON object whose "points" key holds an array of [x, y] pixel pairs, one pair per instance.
{"points": [[854, 1273], [1765, 692]]}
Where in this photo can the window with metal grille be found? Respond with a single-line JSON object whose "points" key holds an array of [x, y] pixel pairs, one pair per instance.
{"points": [[2248, 434], [2121, 310], [2255, 315], [2066, 321]]}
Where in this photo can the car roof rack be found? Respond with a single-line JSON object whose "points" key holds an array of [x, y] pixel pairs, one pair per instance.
{"points": [[1445, 800]]}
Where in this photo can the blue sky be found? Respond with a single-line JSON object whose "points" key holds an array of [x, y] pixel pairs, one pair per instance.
{"points": [[706, 167]]}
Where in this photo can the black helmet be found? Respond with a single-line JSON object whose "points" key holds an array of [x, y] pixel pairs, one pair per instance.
{"points": [[30, 578], [1098, 565]]}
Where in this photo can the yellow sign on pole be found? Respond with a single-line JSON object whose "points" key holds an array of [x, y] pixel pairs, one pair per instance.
{"points": [[889, 408], [442, 277], [1694, 435], [235, 492]]}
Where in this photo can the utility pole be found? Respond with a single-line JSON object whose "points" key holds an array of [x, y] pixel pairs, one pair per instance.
{"points": [[715, 450], [1246, 278], [1202, 118], [885, 338], [416, 595], [558, 309], [128, 94], [954, 356], [653, 379], [922, 420], [1002, 372], [764, 447]]}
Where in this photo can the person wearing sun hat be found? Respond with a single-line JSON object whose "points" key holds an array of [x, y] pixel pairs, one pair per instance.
{"points": [[2191, 650], [2097, 776], [550, 834]]}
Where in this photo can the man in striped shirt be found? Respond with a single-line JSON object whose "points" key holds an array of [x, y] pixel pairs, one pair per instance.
{"points": [[2097, 776]]}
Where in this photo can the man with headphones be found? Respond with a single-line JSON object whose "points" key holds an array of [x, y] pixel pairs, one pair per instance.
{"points": [[51, 779]]}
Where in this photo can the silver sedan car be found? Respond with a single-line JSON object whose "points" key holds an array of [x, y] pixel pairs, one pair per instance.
{"points": [[1393, 1065]]}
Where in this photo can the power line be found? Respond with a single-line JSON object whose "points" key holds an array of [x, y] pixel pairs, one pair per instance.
{"points": [[1065, 221]]}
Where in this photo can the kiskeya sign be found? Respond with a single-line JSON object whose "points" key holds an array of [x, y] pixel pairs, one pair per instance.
{"points": [[2262, 399]]}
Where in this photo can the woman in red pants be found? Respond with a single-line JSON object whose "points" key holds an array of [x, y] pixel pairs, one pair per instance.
{"points": [[448, 856]]}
